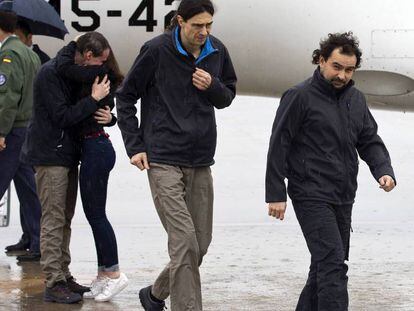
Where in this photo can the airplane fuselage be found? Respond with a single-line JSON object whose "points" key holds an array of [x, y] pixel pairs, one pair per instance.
{"points": [[270, 41]]}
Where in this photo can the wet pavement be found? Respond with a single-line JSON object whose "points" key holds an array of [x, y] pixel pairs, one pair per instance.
{"points": [[249, 267]]}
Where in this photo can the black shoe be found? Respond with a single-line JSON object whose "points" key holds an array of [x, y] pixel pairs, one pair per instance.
{"points": [[75, 287], [61, 293], [30, 256], [20, 246], [147, 302]]}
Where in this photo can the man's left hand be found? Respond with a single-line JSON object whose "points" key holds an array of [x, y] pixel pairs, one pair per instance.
{"points": [[201, 79], [277, 210], [2, 143], [387, 183], [103, 115]]}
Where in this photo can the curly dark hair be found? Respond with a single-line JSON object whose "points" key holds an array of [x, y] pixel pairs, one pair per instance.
{"points": [[346, 41]]}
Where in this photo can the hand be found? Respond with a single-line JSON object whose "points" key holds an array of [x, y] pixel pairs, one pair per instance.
{"points": [[140, 160], [201, 79], [103, 115], [2, 143], [277, 209], [101, 90], [387, 183]]}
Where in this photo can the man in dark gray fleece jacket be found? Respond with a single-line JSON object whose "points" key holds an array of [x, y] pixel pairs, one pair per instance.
{"points": [[320, 128]]}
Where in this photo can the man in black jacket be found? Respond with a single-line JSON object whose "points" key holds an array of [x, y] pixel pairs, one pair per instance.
{"points": [[319, 127], [180, 77], [52, 147]]}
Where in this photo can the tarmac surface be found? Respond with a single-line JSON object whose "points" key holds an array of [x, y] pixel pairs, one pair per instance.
{"points": [[249, 267], [254, 262]]}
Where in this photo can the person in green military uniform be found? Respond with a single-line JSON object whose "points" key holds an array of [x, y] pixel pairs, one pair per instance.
{"points": [[18, 67], [23, 31]]}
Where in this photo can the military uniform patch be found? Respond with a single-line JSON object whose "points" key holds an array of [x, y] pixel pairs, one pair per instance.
{"points": [[7, 60], [3, 79]]}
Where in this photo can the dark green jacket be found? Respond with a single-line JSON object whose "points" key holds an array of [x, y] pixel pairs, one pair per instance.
{"points": [[18, 67]]}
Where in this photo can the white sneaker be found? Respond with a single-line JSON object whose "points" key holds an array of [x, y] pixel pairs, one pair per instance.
{"points": [[112, 287], [97, 287]]}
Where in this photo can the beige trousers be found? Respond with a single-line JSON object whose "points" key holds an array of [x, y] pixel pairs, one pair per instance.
{"points": [[57, 190], [183, 198]]}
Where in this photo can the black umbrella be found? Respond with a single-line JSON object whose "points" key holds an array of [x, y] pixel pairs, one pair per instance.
{"points": [[40, 15]]}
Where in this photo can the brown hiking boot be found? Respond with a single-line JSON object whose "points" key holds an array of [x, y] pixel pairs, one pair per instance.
{"points": [[61, 293], [75, 287]]}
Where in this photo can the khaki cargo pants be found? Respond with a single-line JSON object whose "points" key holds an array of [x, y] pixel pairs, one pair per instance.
{"points": [[183, 198], [57, 189]]}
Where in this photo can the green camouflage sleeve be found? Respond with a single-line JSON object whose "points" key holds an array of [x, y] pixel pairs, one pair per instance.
{"points": [[11, 83]]}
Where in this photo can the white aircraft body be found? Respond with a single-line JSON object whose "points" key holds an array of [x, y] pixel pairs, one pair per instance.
{"points": [[270, 41]]}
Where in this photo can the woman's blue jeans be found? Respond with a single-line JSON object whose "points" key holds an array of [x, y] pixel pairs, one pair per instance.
{"points": [[97, 160]]}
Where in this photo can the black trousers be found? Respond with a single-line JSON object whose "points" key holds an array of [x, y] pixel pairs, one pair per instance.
{"points": [[24, 181], [326, 228]]}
